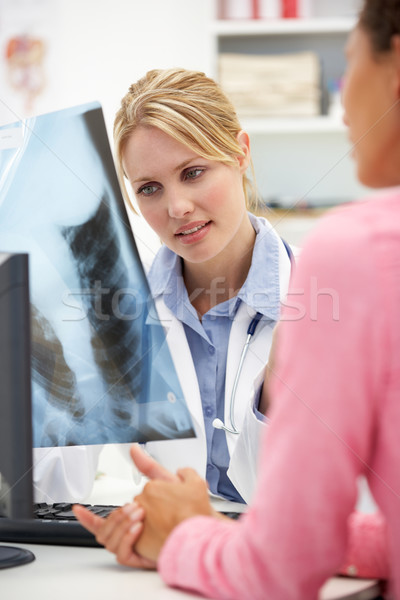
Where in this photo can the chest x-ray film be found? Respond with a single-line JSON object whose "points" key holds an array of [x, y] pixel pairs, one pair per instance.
{"points": [[101, 367]]}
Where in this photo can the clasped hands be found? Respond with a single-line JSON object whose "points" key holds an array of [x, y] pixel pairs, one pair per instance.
{"points": [[136, 532]]}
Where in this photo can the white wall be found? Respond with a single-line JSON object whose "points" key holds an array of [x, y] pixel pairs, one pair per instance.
{"points": [[108, 44], [97, 48]]}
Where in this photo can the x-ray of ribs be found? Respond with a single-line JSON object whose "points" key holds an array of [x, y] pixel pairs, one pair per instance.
{"points": [[50, 369], [116, 342]]}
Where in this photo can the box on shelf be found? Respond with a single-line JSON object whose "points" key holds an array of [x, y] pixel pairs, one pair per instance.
{"points": [[270, 9], [290, 9], [272, 85], [237, 9], [328, 8]]}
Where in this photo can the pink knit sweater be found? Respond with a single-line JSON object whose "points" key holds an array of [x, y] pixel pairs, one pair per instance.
{"points": [[335, 416]]}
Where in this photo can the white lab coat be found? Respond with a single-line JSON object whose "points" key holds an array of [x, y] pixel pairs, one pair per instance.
{"points": [[64, 474], [68, 473], [243, 447]]}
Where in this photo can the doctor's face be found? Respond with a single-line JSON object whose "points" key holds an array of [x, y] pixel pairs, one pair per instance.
{"points": [[372, 114], [196, 206]]}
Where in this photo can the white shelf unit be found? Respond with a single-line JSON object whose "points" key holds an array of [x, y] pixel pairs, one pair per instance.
{"points": [[295, 125], [238, 27], [309, 157]]}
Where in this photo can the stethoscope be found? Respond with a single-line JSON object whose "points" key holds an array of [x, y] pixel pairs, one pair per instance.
{"points": [[217, 423]]}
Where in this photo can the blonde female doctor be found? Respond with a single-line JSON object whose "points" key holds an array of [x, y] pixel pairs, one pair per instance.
{"points": [[220, 276]]}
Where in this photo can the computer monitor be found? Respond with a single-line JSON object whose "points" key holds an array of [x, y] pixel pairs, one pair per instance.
{"points": [[15, 399]]}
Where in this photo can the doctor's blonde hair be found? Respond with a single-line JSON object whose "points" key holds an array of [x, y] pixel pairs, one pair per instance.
{"points": [[192, 109]]}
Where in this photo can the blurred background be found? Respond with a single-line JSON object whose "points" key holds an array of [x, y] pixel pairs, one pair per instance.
{"points": [[280, 61]]}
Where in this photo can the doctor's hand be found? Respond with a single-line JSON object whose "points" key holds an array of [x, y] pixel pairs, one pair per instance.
{"points": [[122, 528], [168, 503]]}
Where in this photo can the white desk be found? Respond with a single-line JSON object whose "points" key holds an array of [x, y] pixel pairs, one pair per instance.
{"points": [[71, 573], [75, 573], [108, 490]]}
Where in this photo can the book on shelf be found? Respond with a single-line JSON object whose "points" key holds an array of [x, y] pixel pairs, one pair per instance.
{"points": [[272, 85]]}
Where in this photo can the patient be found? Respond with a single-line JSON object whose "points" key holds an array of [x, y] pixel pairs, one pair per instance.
{"points": [[334, 390]]}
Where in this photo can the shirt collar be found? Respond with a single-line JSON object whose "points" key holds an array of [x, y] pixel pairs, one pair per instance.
{"points": [[164, 272], [261, 289]]}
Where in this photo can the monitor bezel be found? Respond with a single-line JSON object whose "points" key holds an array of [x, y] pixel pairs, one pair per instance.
{"points": [[16, 487]]}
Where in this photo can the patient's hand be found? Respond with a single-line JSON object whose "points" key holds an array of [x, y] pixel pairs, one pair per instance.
{"points": [[122, 528], [168, 503], [118, 532]]}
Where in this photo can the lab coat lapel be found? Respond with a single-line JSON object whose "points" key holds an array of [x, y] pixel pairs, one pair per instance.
{"points": [[257, 355], [182, 358]]}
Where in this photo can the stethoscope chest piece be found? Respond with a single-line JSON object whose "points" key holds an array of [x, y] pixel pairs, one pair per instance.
{"points": [[217, 423]]}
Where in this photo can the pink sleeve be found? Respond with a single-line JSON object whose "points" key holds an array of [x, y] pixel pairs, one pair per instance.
{"points": [[367, 548], [324, 391]]}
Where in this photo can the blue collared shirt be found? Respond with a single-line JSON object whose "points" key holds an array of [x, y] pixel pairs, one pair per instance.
{"points": [[208, 339]]}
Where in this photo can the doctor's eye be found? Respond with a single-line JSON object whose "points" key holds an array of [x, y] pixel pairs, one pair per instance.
{"points": [[193, 173], [147, 190]]}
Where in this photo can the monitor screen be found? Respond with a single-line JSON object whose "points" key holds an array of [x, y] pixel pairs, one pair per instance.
{"points": [[101, 368], [15, 389]]}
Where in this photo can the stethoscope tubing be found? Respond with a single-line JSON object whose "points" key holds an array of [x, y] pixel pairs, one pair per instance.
{"points": [[250, 332], [217, 423]]}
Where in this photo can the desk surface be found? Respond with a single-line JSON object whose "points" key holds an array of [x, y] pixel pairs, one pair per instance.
{"points": [[72, 573], [76, 573]]}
